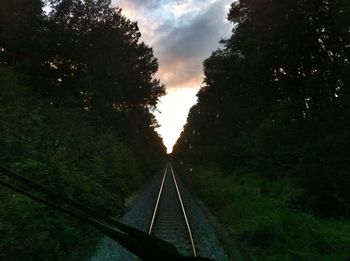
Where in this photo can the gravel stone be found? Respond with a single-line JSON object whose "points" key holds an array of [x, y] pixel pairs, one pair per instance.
{"points": [[140, 214]]}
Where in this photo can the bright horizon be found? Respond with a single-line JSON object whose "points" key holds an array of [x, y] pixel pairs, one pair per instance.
{"points": [[172, 115], [182, 33]]}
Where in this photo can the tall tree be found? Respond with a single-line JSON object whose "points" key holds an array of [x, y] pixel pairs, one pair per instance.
{"points": [[19, 23], [76, 94], [97, 56], [275, 98]]}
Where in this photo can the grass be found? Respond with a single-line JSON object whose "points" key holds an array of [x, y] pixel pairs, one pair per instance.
{"points": [[260, 217]]}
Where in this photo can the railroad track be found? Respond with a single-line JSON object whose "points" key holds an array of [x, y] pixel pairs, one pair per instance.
{"points": [[169, 220]]}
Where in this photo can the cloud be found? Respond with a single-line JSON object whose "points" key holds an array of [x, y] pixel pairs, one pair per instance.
{"points": [[140, 3], [147, 3], [183, 48], [182, 33]]}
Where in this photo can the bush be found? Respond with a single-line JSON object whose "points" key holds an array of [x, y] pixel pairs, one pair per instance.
{"points": [[58, 148], [258, 212]]}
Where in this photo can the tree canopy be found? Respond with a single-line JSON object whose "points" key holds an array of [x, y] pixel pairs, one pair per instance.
{"points": [[269, 137], [77, 90], [276, 98]]}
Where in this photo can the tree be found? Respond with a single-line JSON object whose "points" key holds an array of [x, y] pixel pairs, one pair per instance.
{"points": [[273, 96], [20, 21], [76, 94]]}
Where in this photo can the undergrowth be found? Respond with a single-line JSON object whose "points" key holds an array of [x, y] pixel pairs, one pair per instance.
{"points": [[260, 215]]}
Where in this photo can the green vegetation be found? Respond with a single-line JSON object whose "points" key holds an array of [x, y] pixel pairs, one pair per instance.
{"points": [[76, 94], [273, 117], [256, 213]]}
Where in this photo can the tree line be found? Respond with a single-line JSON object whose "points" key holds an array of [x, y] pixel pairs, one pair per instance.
{"points": [[77, 91], [276, 100], [269, 137]]}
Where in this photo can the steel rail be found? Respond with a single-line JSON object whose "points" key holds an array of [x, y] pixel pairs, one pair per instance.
{"points": [[157, 202], [184, 213]]}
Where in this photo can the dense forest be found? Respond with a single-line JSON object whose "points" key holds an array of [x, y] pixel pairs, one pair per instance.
{"points": [[76, 99], [270, 136]]}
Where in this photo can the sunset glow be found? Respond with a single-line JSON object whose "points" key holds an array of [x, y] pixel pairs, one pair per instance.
{"points": [[173, 109], [182, 34]]}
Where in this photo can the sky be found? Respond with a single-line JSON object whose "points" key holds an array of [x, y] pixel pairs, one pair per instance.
{"points": [[182, 33]]}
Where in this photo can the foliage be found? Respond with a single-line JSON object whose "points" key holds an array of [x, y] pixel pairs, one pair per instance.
{"points": [[76, 94], [275, 103], [257, 214], [276, 100]]}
